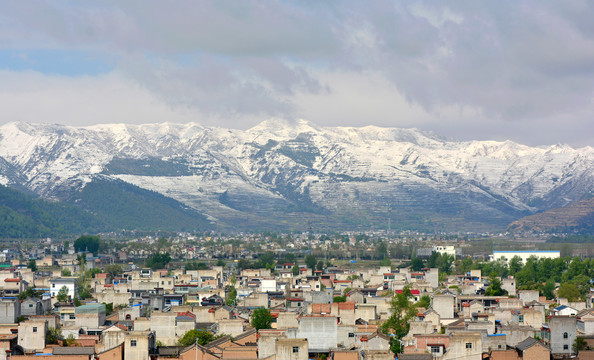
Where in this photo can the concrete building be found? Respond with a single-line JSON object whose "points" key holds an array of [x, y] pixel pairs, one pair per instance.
{"points": [[528, 296], [90, 316], [321, 332], [465, 345], [138, 345], [444, 305], [525, 254], [291, 349], [560, 334], [10, 310], [31, 335], [71, 285], [32, 306]]}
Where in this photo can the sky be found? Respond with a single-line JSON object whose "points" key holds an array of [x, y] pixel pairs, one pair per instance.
{"points": [[517, 70]]}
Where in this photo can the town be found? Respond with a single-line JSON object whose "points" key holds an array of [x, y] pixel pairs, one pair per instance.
{"points": [[292, 296]]}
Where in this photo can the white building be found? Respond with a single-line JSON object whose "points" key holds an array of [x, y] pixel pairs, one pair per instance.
{"points": [[70, 283], [525, 254], [446, 249]]}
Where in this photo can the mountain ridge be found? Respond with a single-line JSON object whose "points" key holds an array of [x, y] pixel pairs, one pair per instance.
{"points": [[369, 176]]}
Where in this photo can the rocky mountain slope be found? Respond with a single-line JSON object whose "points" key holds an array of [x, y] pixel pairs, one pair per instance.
{"points": [[301, 176], [577, 217]]}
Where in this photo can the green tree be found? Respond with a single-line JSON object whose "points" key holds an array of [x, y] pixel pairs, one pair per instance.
{"points": [[87, 243], [381, 251], [569, 291], [190, 337], [579, 344], [403, 311], [416, 264], [548, 289], [465, 265], [339, 299], [266, 260], [220, 262], [295, 270], [261, 318], [53, 335], [66, 272], [320, 266], [92, 272], [158, 261], [424, 302], [62, 294], [114, 270], [193, 265], [311, 261], [385, 262], [495, 288], [32, 264], [231, 296], [515, 265]]}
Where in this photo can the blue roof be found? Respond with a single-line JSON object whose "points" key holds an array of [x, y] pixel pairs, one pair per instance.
{"points": [[496, 335], [561, 307]]}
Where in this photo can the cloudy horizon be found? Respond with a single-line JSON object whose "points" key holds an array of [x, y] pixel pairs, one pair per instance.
{"points": [[520, 71]]}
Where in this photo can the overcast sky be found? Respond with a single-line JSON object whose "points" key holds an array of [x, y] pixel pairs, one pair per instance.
{"points": [[519, 70]]}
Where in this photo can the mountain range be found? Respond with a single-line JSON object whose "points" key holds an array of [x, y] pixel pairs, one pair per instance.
{"points": [[282, 175]]}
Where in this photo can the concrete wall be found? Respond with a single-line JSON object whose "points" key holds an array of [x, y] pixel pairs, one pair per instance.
{"points": [[286, 319], [115, 298], [163, 324], [32, 335], [231, 327], [10, 310], [322, 332], [536, 352], [443, 305], [136, 345], [528, 295], [291, 349], [459, 348], [560, 325]]}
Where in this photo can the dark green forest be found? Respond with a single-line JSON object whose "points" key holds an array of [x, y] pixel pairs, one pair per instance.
{"points": [[100, 206]]}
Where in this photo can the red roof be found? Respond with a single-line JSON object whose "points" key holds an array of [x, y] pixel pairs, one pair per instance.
{"points": [[12, 280], [294, 299], [186, 313], [414, 292], [417, 274], [342, 281]]}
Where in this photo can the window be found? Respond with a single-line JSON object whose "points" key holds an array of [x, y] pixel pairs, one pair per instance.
{"points": [[132, 342], [565, 335], [565, 347], [521, 318], [72, 317], [34, 329], [351, 335], [30, 305], [435, 349], [295, 349], [53, 285], [469, 345]]}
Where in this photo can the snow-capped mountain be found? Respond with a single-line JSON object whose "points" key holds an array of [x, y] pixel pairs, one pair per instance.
{"points": [[281, 174]]}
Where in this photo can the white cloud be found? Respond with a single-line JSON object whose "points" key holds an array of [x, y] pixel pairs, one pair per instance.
{"points": [[456, 67]]}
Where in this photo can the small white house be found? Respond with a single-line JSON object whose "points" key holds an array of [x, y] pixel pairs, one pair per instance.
{"points": [[70, 283]]}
